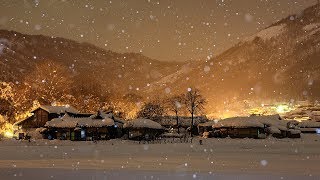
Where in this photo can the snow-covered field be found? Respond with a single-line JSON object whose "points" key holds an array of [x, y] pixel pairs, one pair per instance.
{"points": [[116, 159]]}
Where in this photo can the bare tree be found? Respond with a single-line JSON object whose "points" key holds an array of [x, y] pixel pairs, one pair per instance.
{"points": [[151, 110], [174, 105], [194, 103]]}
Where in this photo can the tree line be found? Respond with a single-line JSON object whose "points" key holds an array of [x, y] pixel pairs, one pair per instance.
{"points": [[191, 103], [52, 83]]}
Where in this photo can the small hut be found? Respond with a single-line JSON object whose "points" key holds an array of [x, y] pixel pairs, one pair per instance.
{"points": [[40, 116], [143, 129], [277, 131], [61, 128], [309, 126], [239, 128], [293, 133], [256, 127]]}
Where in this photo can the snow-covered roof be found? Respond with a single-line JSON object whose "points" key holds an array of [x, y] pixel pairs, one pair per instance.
{"points": [[274, 130], [101, 115], [309, 124], [238, 122], [70, 122], [273, 121], [142, 123], [60, 123], [310, 130], [78, 115], [57, 109], [88, 122], [104, 115]]}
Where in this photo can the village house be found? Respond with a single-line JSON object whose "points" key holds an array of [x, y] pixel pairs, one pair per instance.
{"points": [[40, 116], [256, 127], [239, 128], [143, 129], [309, 126], [99, 126]]}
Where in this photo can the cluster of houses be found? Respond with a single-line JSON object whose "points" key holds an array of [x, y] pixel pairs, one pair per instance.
{"points": [[251, 127], [67, 123], [304, 112]]}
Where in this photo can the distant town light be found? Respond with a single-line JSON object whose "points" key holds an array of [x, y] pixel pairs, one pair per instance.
{"points": [[8, 134], [282, 109]]}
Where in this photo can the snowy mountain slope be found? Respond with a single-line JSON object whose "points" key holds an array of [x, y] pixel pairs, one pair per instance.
{"points": [[281, 62], [19, 54]]}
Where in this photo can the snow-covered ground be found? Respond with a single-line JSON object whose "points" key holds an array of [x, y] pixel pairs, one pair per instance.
{"points": [[115, 159]]}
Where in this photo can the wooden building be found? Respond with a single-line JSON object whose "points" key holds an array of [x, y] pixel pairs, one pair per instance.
{"points": [[143, 129], [43, 114], [40, 116], [255, 127], [309, 127], [240, 127], [240, 132]]}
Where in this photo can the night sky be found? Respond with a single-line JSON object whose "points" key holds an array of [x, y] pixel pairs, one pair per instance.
{"points": [[176, 30]]}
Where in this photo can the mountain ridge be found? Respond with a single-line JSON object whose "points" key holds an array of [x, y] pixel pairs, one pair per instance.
{"points": [[278, 63], [21, 52]]}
